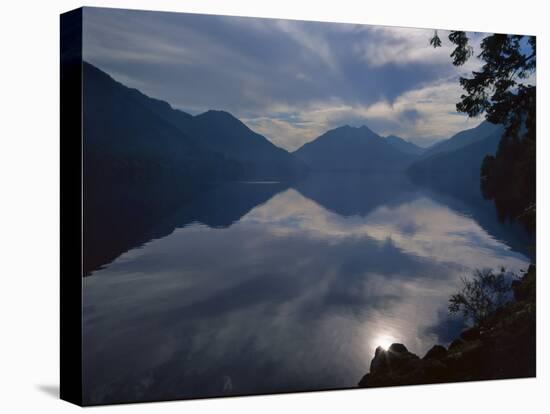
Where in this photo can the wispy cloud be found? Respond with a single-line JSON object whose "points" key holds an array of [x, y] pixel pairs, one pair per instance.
{"points": [[401, 46], [309, 40], [405, 46], [422, 115], [289, 80]]}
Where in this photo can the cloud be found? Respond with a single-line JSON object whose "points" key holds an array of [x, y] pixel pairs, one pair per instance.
{"points": [[284, 303], [311, 41], [288, 80], [400, 46], [404, 46], [434, 106], [423, 115], [286, 134]]}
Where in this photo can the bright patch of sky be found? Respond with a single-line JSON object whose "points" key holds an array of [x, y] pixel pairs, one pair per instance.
{"points": [[288, 80]]}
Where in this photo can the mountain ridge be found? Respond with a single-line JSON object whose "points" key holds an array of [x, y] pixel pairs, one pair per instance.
{"points": [[462, 138], [466, 159], [217, 134], [404, 145], [219, 141], [348, 148]]}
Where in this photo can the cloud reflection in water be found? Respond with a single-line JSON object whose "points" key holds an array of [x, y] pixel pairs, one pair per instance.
{"points": [[293, 296]]}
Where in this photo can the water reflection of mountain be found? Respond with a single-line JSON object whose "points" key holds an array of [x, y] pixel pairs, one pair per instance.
{"points": [[359, 194], [129, 213], [468, 200], [350, 194], [292, 284]]}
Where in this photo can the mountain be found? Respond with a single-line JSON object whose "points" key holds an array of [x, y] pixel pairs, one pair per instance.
{"points": [[122, 137], [352, 149], [148, 128], [463, 138], [404, 146], [459, 166], [221, 132], [145, 162]]}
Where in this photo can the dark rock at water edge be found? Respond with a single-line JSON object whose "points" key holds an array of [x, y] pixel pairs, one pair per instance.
{"points": [[398, 366], [503, 346]]}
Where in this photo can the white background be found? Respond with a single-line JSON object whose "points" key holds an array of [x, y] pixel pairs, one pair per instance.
{"points": [[29, 215]]}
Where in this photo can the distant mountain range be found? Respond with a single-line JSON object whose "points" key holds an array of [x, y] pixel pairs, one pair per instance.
{"points": [[404, 146], [125, 130], [362, 150], [462, 139], [354, 149], [129, 133], [121, 136], [458, 159]]}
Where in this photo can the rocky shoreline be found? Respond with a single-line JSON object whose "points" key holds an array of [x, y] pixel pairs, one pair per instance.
{"points": [[502, 346]]}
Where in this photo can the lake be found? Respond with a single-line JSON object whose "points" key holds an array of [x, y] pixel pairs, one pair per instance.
{"points": [[263, 287]]}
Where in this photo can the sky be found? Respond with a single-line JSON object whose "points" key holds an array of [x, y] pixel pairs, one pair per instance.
{"points": [[288, 80]]}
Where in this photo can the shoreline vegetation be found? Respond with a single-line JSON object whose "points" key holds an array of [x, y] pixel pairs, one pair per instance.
{"points": [[501, 346]]}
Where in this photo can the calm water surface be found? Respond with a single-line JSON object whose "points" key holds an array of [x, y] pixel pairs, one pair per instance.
{"points": [[285, 288]]}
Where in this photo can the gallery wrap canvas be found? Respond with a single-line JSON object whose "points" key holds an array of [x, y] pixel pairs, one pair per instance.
{"points": [[258, 206]]}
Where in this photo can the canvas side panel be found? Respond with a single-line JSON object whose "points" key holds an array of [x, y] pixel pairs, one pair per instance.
{"points": [[71, 207]]}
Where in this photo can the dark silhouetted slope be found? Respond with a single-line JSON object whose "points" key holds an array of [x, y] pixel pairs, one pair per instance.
{"points": [[353, 150], [404, 146], [147, 167], [463, 138], [221, 132], [123, 137], [462, 165], [124, 126]]}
